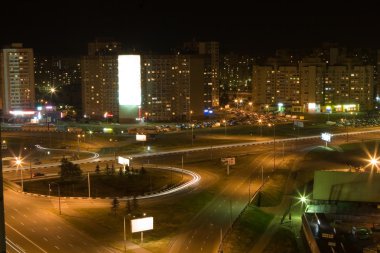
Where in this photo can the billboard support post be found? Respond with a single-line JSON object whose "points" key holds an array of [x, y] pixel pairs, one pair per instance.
{"points": [[125, 237]]}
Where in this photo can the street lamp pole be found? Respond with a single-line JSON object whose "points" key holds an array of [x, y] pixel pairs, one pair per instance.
{"points": [[89, 184], [78, 136], [192, 134], [3, 246], [125, 237], [19, 164], [274, 145], [59, 196]]}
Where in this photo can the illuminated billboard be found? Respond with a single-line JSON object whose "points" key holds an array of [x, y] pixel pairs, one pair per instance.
{"points": [[140, 137], [122, 160], [143, 224], [129, 74]]}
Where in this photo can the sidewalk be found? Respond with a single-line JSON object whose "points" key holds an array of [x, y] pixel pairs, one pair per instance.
{"points": [[294, 223]]}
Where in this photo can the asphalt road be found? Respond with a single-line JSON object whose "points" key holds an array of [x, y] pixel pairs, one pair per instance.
{"points": [[31, 224]]}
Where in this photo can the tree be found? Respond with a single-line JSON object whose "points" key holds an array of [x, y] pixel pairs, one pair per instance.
{"points": [[112, 169], [115, 205], [69, 170], [135, 203], [142, 171], [107, 169], [128, 206]]}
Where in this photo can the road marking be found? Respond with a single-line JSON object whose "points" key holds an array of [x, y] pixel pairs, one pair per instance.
{"points": [[56, 247], [13, 217], [45, 239], [22, 223], [33, 230], [26, 238], [71, 245], [46, 228], [59, 237]]}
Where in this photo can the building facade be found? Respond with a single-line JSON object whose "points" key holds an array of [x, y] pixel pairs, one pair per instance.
{"points": [[315, 85], [99, 78], [172, 87], [235, 78], [17, 79], [209, 51]]}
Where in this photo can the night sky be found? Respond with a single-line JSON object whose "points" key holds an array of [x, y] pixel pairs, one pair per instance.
{"points": [[64, 27]]}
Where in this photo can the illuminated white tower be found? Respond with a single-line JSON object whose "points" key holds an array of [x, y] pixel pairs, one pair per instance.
{"points": [[129, 81]]}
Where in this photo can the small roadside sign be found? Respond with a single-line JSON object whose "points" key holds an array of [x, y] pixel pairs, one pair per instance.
{"points": [[228, 160]]}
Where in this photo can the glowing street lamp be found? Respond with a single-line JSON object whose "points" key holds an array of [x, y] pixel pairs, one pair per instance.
{"points": [[19, 163], [191, 113], [274, 144], [225, 126], [78, 138], [52, 91], [373, 162], [261, 127], [192, 134]]}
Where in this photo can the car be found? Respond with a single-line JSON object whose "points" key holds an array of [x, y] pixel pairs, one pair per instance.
{"points": [[37, 174]]}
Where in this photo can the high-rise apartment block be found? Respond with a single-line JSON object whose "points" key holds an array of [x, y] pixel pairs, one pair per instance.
{"points": [[210, 53], [236, 77], [55, 77], [172, 86], [338, 83], [99, 78], [17, 79]]}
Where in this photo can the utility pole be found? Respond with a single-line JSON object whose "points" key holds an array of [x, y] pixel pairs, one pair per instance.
{"points": [[125, 237], [182, 168], [89, 184], [3, 247], [274, 147]]}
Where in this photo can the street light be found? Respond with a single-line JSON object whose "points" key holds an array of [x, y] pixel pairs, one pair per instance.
{"points": [[261, 127], [59, 195], [79, 136], [225, 126], [52, 91], [90, 133], [192, 134], [274, 144], [19, 163], [373, 162]]}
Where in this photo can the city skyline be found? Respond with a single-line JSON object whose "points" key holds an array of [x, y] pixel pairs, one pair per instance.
{"points": [[242, 27]]}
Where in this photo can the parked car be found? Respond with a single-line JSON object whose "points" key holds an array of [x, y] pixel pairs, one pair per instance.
{"points": [[37, 174]]}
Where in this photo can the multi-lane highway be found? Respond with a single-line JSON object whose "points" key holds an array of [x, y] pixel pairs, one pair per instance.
{"points": [[31, 225]]}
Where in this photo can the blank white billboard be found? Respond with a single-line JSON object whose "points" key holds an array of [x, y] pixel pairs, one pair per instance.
{"points": [[129, 71], [122, 160], [140, 137], [143, 224]]}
